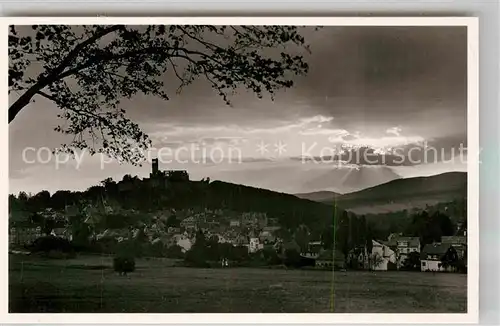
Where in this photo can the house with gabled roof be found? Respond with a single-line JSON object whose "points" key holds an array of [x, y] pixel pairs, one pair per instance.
{"points": [[382, 257], [432, 256]]}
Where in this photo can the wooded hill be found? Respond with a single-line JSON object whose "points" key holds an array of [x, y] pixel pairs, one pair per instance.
{"points": [[288, 210]]}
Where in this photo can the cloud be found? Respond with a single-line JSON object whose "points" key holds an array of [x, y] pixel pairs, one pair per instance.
{"points": [[394, 131], [316, 118], [217, 141], [358, 156], [265, 127]]}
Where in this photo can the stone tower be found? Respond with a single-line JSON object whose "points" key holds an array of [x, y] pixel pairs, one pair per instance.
{"points": [[155, 167]]}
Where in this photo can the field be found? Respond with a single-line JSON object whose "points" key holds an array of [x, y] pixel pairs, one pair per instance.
{"points": [[88, 284]]}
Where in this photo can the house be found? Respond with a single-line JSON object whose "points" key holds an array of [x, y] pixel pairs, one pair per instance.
{"points": [[402, 246], [189, 223], [172, 229], [327, 259], [382, 257], [22, 234], [267, 235], [432, 255], [405, 246], [459, 243], [255, 245], [234, 223], [313, 249]]}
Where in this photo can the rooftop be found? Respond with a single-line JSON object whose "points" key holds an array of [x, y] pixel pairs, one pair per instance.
{"points": [[435, 249], [455, 239]]}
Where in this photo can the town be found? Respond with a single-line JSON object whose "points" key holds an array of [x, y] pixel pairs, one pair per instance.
{"points": [[174, 232]]}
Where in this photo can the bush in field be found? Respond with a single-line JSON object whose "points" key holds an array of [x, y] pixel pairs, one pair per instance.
{"points": [[124, 261], [124, 265]]}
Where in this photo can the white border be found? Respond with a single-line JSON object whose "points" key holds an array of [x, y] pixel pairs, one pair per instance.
{"points": [[472, 315]]}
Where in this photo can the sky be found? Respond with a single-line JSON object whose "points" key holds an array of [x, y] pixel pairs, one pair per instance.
{"points": [[385, 91]]}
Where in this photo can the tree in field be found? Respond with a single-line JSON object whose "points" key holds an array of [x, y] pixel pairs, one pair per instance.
{"points": [[375, 260], [369, 245], [412, 261], [302, 236], [87, 70], [124, 264], [450, 259]]}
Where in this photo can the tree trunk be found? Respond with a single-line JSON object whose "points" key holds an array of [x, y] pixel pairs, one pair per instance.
{"points": [[19, 105], [25, 99]]}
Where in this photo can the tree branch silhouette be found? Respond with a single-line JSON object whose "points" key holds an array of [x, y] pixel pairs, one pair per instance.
{"points": [[86, 71]]}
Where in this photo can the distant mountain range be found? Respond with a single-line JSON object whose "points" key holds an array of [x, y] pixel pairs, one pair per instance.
{"points": [[307, 178], [399, 194], [320, 196]]}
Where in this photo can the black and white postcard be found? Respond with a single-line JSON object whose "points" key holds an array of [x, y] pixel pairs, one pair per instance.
{"points": [[312, 169]]}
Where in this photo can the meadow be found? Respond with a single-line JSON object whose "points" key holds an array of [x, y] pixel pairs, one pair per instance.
{"points": [[89, 284]]}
